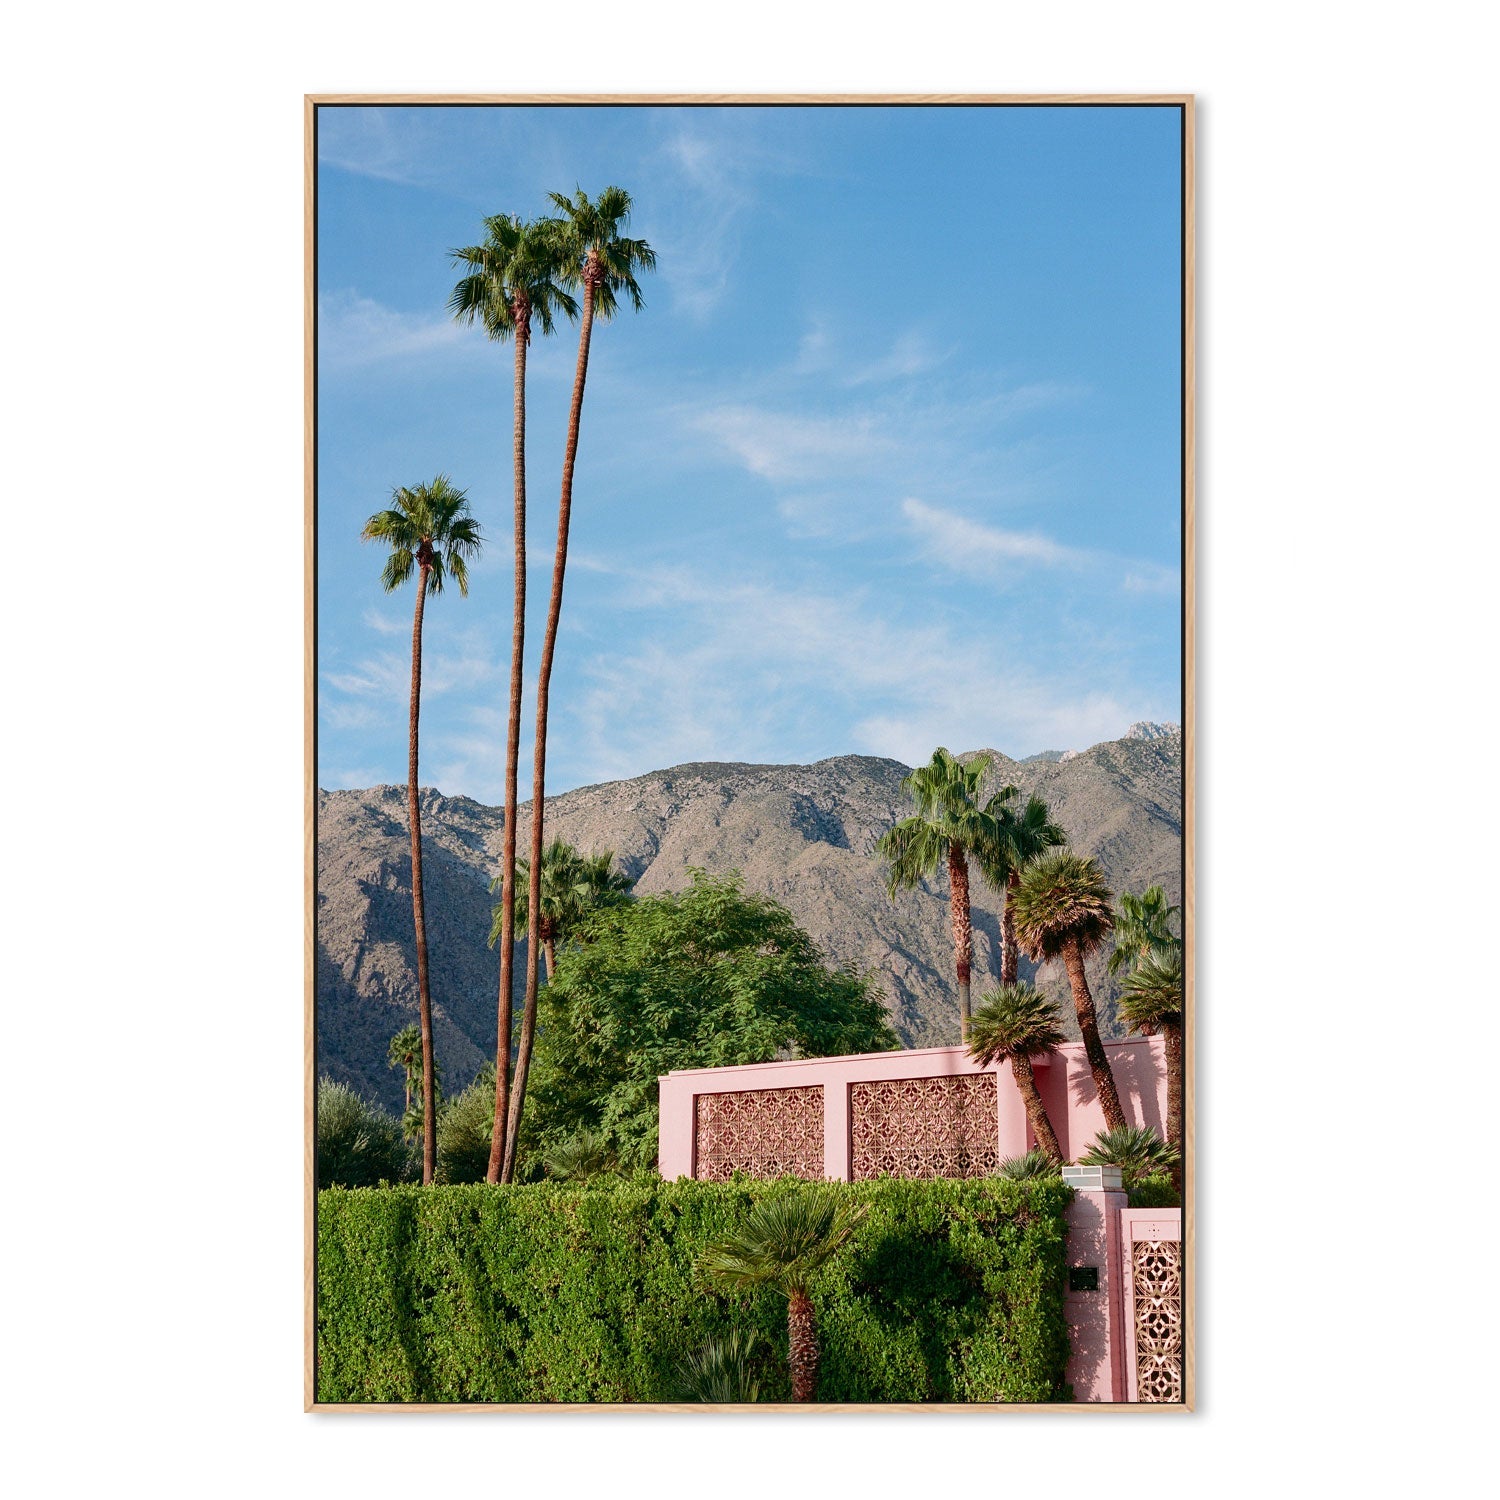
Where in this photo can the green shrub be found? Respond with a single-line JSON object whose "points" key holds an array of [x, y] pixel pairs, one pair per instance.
{"points": [[1033, 1163], [723, 1370], [1156, 1191], [950, 1291], [358, 1144], [463, 1133]]}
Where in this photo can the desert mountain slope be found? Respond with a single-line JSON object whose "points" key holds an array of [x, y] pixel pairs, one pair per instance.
{"points": [[803, 834]]}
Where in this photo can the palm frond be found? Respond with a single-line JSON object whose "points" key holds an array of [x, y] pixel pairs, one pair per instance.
{"points": [[1136, 1149], [1013, 1021], [784, 1241], [1029, 1166], [1062, 897]]}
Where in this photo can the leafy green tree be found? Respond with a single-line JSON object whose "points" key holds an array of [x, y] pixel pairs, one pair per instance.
{"points": [[358, 1144], [785, 1241], [950, 827], [430, 532], [1136, 1150], [1015, 1024], [1152, 1001], [512, 281], [1063, 910], [1143, 928], [706, 977], [573, 885], [1025, 836], [598, 258], [463, 1132]]}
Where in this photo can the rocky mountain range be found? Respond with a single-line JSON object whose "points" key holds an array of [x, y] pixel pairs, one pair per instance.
{"points": [[803, 834]]}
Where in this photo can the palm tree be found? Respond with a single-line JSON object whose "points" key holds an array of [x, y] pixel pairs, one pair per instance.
{"points": [[1143, 928], [429, 531], [1063, 910], [722, 1370], [1025, 836], [405, 1052], [1014, 1025], [1136, 1150], [604, 263], [1151, 1002], [573, 885], [949, 825], [512, 277], [784, 1242]]}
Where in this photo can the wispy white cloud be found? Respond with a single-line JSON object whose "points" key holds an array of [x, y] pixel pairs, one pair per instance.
{"points": [[787, 448], [729, 666], [355, 331], [997, 555]]}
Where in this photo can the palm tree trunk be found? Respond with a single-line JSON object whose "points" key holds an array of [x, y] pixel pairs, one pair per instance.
{"points": [[1088, 1026], [1009, 953], [802, 1342], [419, 919], [539, 753], [512, 758], [1171, 1036], [549, 952], [1036, 1111], [963, 932]]}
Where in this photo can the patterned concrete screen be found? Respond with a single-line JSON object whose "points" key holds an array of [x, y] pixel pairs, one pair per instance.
{"points": [[1152, 1250], [925, 1127], [761, 1132]]}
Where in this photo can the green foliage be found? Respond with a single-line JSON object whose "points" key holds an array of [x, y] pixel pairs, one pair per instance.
{"points": [[725, 1369], [1014, 1020], [1062, 898], [579, 1157], [1155, 1191], [950, 1291], [518, 263], [1151, 997], [784, 1241], [706, 977], [948, 814], [1136, 1149], [427, 526], [1034, 1163], [358, 1144], [1143, 928], [463, 1132], [405, 1052], [573, 885]]}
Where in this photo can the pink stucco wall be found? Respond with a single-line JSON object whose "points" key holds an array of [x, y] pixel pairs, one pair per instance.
{"points": [[1063, 1079]]}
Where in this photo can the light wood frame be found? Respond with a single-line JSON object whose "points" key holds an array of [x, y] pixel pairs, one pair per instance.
{"points": [[1185, 102]]}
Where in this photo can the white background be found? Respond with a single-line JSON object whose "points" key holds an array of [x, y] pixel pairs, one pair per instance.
{"points": [[153, 964]]}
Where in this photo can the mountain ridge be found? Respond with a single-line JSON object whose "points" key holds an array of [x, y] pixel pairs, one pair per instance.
{"points": [[803, 834]]}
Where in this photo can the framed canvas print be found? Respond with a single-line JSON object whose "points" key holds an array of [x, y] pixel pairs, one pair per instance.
{"points": [[750, 716]]}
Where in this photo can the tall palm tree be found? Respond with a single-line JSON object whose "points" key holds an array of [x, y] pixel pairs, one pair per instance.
{"points": [[948, 827], [603, 262], [1152, 1002], [1025, 836], [573, 885], [1063, 910], [784, 1242], [512, 278], [430, 532], [1015, 1024], [1143, 927]]}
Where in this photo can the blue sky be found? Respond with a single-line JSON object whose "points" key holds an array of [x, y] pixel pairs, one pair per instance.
{"points": [[889, 460]]}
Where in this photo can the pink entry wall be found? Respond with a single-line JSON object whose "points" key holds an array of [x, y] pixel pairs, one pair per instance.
{"points": [[1063, 1079]]}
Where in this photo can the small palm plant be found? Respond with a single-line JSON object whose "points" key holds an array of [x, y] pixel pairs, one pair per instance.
{"points": [[1063, 911], [584, 1155], [1136, 1150], [1015, 1024], [1152, 1002], [1033, 1164], [722, 1370], [783, 1244]]}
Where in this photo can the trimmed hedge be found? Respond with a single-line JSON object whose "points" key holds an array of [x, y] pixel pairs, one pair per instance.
{"points": [[949, 1291]]}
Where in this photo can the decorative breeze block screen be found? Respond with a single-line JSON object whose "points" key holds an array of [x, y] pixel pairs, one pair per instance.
{"points": [[925, 1127], [1156, 1266], [763, 1133]]}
